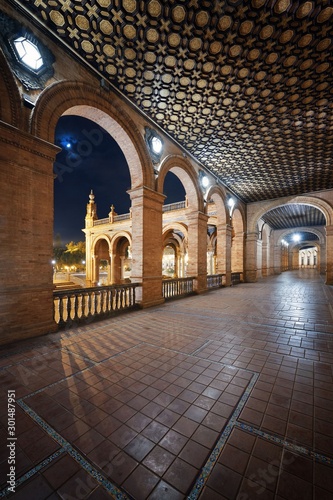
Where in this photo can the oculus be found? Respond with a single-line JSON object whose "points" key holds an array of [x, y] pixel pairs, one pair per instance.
{"points": [[30, 60], [155, 145]]}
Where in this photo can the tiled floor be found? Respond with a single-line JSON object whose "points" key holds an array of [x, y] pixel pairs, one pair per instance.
{"points": [[227, 395]]}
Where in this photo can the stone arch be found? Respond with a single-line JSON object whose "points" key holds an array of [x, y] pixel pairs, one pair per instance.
{"points": [[313, 201], [218, 195], [100, 250], [63, 98], [10, 103], [119, 243], [313, 230], [185, 172], [175, 225], [179, 244]]}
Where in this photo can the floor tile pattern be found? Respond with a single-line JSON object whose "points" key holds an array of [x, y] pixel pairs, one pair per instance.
{"points": [[227, 395]]}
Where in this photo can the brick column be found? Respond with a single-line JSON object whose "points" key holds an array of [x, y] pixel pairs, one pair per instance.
{"points": [[147, 247], [237, 253], [295, 259], [329, 255], [321, 264], [223, 251], [277, 259], [259, 258], [265, 259], [250, 273], [197, 249], [26, 223]]}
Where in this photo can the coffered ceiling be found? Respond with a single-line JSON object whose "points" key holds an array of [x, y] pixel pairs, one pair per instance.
{"points": [[294, 216], [244, 87]]}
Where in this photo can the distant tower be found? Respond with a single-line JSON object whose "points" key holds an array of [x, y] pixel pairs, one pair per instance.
{"points": [[91, 214]]}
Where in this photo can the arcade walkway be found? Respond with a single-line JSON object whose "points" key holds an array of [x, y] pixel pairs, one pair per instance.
{"points": [[227, 395]]}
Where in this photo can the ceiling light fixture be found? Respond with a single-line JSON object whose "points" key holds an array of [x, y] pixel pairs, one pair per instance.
{"points": [[28, 53], [155, 145]]}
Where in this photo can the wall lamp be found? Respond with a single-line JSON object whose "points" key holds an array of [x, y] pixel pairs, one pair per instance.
{"points": [[155, 144], [231, 204]]}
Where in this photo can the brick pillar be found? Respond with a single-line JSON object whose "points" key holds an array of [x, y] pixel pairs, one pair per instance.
{"points": [[265, 259], [223, 251], [259, 258], [26, 234], [250, 273], [147, 247], [329, 255], [294, 259], [197, 249], [277, 264], [237, 253], [321, 259]]}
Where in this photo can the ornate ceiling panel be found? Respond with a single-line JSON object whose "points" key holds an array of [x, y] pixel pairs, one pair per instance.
{"points": [[244, 87], [294, 216]]}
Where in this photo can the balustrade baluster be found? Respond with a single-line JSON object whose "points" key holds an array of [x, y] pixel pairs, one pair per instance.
{"points": [[70, 307]]}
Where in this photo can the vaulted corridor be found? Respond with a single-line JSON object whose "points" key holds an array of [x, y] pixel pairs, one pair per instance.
{"points": [[224, 395]]}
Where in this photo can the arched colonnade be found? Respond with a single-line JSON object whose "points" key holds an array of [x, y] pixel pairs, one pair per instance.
{"points": [[27, 160]]}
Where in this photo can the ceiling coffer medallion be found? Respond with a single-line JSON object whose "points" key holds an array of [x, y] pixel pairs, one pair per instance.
{"points": [[232, 82]]}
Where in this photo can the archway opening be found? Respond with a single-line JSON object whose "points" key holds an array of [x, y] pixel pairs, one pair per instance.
{"points": [[122, 261], [90, 159], [287, 228], [102, 262], [174, 190]]}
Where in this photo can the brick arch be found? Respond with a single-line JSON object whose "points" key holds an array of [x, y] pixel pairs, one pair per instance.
{"points": [[64, 98], [179, 226], [117, 236], [312, 230], [238, 220], [99, 238], [219, 197], [313, 201], [185, 172], [10, 103]]}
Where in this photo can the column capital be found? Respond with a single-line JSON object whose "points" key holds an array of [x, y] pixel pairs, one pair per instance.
{"points": [[251, 236], [145, 192], [197, 216]]}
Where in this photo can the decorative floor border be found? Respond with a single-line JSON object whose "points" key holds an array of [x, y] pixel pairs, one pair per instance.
{"points": [[68, 448], [206, 470], [27, 475], [208, 467], [116, 492], [301, 450]]}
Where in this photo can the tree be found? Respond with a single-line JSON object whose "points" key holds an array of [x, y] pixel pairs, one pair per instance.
{"points": [[71, 255]]}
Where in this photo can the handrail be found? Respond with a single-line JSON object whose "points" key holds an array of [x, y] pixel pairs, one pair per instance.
{"points": [[178, 287], [120, 217], [216, 280], [83, 305], [174, 206], [101, 221], [236, 278]]}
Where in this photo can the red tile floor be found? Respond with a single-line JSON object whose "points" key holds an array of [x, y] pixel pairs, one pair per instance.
{"points": [[226, 395]]}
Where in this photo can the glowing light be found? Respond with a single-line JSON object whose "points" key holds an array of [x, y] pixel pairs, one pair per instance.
{"points": [[156, 144], [28, 53], [205, 181], [296, 238]]}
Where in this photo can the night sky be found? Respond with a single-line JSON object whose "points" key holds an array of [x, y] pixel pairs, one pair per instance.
{"points": [[91, 159]]}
